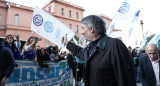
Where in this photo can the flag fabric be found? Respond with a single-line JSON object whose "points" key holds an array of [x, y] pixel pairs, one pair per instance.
{"points": [[135, 19], [128, 11], [50, 27], [155, 39], [143, 43], [78, 60]]}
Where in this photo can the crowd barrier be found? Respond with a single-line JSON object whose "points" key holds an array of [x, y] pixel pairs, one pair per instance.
{"points": [[29, 73]]}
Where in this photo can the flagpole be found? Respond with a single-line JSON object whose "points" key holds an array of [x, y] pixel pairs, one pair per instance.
{"points": [[141, 22]]}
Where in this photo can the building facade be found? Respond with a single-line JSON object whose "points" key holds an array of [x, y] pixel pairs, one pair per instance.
{"points": [[16, 19]]}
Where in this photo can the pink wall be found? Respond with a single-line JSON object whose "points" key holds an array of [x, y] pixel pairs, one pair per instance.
{"points": [[3, 13], [58, 5], [25, 19], [25, 16]]}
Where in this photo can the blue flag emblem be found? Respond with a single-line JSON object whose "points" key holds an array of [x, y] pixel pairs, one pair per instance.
{"points": [[38, 20], [124, 8], [48, 27]]}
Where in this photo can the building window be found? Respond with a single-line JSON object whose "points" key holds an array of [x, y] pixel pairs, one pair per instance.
{"points": [[0, 18], [77, 16], [62, 11], [70, 26], [16, 19], [77, 31], [49, 9], [70, 13]]}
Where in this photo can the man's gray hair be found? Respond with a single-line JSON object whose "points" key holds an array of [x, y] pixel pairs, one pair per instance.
{"points": [[96, 22]]}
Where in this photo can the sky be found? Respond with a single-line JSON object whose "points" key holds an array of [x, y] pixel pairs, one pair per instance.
{"points": [[149, 13]]}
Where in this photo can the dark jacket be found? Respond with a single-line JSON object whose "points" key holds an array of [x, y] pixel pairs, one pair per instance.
{"points": [[42, 59], [7, 61], [145, 71], [108, 65]]}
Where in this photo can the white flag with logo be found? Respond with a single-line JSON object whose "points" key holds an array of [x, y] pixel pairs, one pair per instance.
{"points": [[128, 12], [50, 27]]}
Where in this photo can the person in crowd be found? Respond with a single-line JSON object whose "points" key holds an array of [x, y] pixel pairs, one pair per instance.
{"points": [[7, 63], [136, 64], [106, 60], [53, 52], [60, 57], [17, 43], [10, 43], [130, 51], [134, 52], [42, 57], [77, 68], [29, 49], [142, 53], [148, 70]]}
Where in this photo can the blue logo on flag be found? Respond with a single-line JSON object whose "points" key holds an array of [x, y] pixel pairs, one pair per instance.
{"points": [[38, 20], [137, 13], [48, 27], [124, 8]]}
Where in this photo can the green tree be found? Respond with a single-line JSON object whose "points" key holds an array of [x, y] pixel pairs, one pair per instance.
{"points": [[149, 38]]}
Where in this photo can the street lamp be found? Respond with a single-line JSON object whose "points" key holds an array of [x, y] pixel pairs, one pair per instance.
{"points": [[141, 22]]}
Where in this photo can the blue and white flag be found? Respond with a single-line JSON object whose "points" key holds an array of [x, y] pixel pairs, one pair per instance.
{"points": [[135, 19], [50, 27], [155, 39], [129, 11], [143, 43]]}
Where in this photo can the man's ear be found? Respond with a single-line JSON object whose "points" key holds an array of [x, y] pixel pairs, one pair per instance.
{"points": [[92, 29]]}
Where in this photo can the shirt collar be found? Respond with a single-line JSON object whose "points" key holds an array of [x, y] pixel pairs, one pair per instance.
{"points": [[101, 42]]}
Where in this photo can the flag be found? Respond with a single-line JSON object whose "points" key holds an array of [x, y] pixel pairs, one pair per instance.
{"points": [[155, 39], [128, 11], [144, 40], [50, 27], [135, 19]]}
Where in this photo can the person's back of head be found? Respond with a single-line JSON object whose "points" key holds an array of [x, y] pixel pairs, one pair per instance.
{"points": [[129, 47], [96, 22]]}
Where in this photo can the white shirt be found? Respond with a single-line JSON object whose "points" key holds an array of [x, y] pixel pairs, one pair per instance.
{"points": [[17, 44], [155, 65]]}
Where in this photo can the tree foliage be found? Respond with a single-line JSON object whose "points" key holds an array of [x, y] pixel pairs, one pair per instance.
{"points": [[149, 38]]}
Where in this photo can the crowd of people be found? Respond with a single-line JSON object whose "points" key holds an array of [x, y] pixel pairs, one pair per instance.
{"points": [[32, 52], [105, 61], [146, 64]]}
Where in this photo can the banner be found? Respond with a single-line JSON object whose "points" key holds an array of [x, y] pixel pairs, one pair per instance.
{"points": [[129, 12], [49, 27], [31, 74]]}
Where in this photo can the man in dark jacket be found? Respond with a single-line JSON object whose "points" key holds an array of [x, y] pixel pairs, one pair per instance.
{"points": [[6, 64], [148, 70], [107, 61]]}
